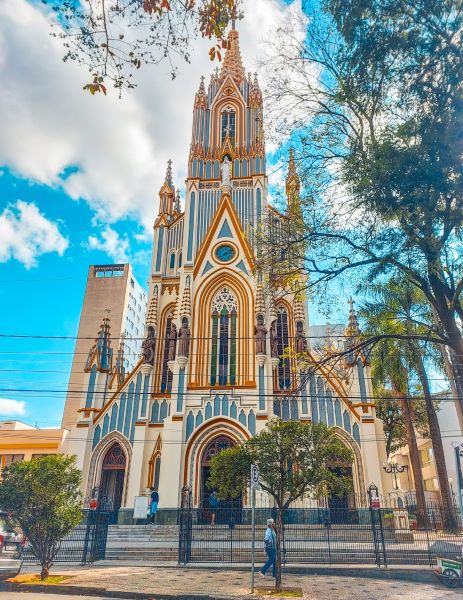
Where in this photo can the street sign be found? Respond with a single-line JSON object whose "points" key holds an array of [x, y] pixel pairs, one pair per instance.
{"points": [[255, 477]]}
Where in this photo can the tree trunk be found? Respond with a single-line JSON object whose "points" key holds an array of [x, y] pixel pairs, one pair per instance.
{"points": [[414, 459], [279, 528], [447, 320], [451, 370], [438, 448], [45, 571]]}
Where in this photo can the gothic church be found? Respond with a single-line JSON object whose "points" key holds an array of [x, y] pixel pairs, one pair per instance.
{"points": [[212, 372]]}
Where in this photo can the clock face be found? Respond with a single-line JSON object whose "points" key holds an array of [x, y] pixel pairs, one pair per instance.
{"points": [[225, 253]]}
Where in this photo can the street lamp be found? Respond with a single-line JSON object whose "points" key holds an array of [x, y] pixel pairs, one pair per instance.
{"points": [[394, 468]]}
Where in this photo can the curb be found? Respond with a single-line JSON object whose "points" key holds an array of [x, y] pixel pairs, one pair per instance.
{"points": [[102, 592]]}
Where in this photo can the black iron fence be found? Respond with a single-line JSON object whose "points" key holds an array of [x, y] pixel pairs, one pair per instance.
{"points": [[324, 535], [86, 543]]}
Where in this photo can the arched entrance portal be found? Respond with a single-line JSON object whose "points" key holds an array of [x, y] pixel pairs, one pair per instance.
{"points": [[112, 478], [228, 510]]}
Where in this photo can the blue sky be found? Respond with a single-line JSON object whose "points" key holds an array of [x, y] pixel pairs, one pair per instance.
{"points": [[78, 185]]}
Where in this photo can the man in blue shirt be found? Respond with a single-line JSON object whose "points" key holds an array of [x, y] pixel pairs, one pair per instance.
{"points": [[270, 541]]}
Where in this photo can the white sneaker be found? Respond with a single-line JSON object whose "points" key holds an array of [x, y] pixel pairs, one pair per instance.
{"points": [[261, 574]]}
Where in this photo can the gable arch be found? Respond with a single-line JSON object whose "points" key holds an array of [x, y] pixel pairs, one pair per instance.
{"points": [[98, 454], [207, 432], [357, 463], [202, 327]]}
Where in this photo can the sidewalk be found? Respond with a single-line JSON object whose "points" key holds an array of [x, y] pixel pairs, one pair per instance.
{"points": [[185, 583]]}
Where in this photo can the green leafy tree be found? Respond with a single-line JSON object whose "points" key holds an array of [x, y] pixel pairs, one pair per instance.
{"points": [[44, 500], [391, 415], [295, 459], [115, 39], [372, 94]]}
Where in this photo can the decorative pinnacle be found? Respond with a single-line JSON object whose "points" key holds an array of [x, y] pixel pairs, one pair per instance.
{"points": [[293, 186], [177, 201], [169, 173], [353, 328]]}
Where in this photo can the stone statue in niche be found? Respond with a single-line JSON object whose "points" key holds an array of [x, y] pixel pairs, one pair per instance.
{"points": [[184, 339], [226, 171], [172, 341], [274, 340], [301, 340], [148, 347], [260, 332]]}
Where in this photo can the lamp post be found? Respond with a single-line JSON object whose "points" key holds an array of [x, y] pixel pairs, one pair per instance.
{"points": [[394, 468]]}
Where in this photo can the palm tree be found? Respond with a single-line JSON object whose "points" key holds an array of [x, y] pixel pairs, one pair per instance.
{"points": [[389, 368], [398, 307]]}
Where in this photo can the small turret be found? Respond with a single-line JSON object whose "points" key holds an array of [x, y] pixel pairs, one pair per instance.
{"points": [[167, 193]]}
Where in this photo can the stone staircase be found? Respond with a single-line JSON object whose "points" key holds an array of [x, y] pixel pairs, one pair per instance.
{"points": [[144, 543]]}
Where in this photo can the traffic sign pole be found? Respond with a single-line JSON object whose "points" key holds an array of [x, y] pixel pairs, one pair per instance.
{"points": [[254, 485]]}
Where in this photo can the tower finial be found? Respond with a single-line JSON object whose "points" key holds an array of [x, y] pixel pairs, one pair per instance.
{"points": [[232, 64], [169, 173]]}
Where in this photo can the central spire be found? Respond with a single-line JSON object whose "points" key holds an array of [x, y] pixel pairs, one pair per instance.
{"points": [[232, 64]]}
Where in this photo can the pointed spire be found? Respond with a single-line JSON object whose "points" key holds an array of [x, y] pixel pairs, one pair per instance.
{"points": [[353, 328], [293, 186], [232, 64], [177, 206], [201, 96], [120, 369], [185, 307], [103, 342], [168, 178], [152, 316]]}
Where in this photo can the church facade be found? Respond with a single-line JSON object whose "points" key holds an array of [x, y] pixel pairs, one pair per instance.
{"points": [[213, 369]]}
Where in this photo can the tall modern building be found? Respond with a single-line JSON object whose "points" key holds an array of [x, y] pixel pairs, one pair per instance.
{"points": [[111, 292], [214, 370]]}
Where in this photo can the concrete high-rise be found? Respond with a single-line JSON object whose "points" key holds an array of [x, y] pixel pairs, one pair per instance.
{"points": [[111, 292]]}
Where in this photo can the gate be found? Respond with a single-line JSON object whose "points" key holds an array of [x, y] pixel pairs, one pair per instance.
{"points": [[323, 536]]}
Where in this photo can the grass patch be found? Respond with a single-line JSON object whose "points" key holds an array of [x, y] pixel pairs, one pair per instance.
{"points": [[285, 593], [30, 579]]}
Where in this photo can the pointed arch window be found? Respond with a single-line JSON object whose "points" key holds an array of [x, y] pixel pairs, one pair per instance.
{"points": [[228, 124], [166, 376], [223, 346], [284, 367]]}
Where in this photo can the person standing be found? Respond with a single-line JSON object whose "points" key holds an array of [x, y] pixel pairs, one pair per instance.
{"points": [[270, 541], [213, 505], [153, 505]]}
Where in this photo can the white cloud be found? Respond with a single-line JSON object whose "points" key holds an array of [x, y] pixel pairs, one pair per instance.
{"points": [[12, 408], [26, 234], [120, 147], [112, 243]]}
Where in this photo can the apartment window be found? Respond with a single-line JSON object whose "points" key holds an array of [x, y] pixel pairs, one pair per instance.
{"points": [[132, 283], [40, 455], [431, 485], [426, 456], [7, 459]]}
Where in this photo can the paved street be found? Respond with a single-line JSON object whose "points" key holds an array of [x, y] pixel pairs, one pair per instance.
{"points": [[39, 596], [233, 584]]}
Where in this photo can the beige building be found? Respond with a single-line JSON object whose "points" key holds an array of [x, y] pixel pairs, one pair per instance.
{"points": [[19, 441], [452, 435], [111, 290]]}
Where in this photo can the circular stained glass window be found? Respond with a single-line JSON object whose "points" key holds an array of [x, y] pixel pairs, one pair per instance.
{"points": [[225, 253]]}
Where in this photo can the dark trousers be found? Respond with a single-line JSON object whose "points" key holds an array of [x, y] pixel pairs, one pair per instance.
{"points": [[271, 561]]}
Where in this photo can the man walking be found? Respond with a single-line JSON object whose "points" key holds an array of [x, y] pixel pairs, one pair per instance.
{"points": [[270, 541]]}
